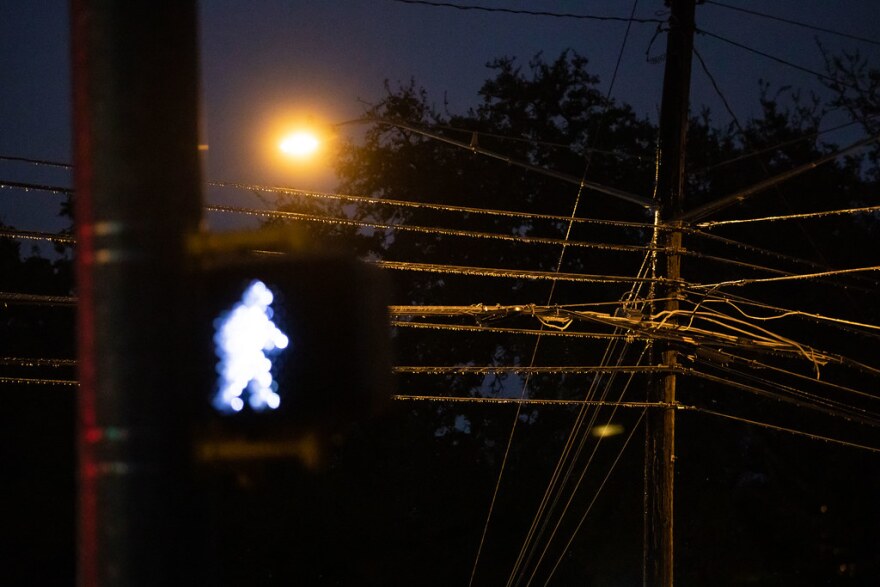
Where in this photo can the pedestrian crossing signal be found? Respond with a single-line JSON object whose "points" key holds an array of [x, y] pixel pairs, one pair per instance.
{"points": [[291, 345]]}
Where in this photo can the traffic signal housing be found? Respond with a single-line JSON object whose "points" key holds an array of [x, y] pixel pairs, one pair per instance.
{"points": [[294, 348]]}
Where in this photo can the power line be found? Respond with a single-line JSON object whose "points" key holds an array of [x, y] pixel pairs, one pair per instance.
{"points": [[54, 189], [508, 273], [36, 161], [748, 247], [716, 205], [784, 429], [440, 207], [39, 381], [802, 216], [755, 152], [67, 239], [280, 214], [794, 395], [530, 401], [38, 362], [718, 91], [772, 182], [784, 312], [479, 235], [523, 370], [36, 235], [760, 365], [655, 327], [800, 277], [474, 7], [286, 191], [794, 22], [779, 60], [37, 299], [501, 330], [741, 195], [641, 326], [530, 141], [743, 334], [839, 412]]}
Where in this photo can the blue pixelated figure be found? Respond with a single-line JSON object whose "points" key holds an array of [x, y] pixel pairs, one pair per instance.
{"points": [[245, 340]]}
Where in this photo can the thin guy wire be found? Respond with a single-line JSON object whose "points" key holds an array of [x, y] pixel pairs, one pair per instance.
{"points": [[525, 552], [567, 449], [584, 470], [773, 58], [773, 182], [558, 267], [634, 294], [795, 22], [595, 496], [549, 300]]}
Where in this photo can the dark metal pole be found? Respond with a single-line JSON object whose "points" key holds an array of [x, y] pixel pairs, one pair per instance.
{"points": [[137, 199], [660, 444]]}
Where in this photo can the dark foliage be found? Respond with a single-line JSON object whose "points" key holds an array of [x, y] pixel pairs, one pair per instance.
{"points": [[403, 499]]}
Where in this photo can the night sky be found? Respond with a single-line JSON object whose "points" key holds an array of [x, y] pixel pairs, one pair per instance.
{"points": [[264, 64]]}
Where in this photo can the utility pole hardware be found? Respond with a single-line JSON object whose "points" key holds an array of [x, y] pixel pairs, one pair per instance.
{"points": [[660, 429]]}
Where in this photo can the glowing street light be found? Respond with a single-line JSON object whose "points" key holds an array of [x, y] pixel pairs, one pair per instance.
{"points": [[302, 144], [299, 144]]}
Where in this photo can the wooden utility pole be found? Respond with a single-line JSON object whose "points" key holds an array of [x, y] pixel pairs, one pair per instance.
{"points": [[660, 440]]}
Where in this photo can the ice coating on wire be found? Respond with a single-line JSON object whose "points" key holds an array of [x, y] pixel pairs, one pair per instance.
{"points": [[245, 339]]}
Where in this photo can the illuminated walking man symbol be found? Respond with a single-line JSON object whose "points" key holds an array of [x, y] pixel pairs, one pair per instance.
{"points": [[245, 339]]}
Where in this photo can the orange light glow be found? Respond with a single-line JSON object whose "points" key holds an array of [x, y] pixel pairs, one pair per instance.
{"points": [[299, 144], [607, 430]]}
